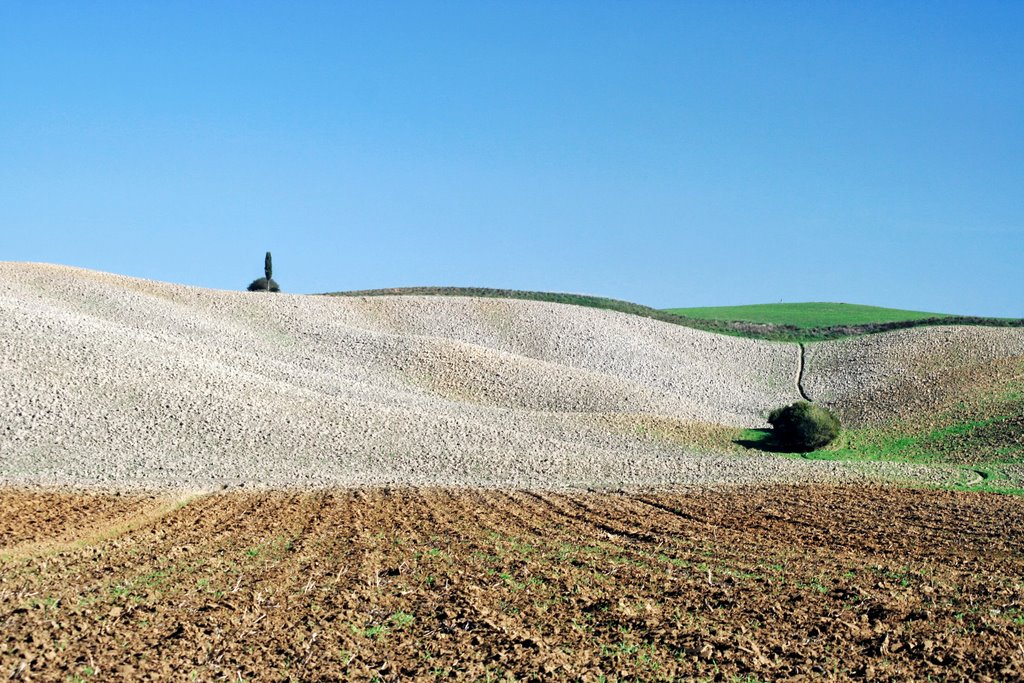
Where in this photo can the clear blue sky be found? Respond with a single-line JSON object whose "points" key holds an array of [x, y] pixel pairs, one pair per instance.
{"points": [[670, 153]]}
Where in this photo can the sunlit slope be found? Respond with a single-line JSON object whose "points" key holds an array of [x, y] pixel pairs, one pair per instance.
{"points": [[775, 322], [906, 374], [117, 381], [806, 315], [108, 378], [938, 395]]}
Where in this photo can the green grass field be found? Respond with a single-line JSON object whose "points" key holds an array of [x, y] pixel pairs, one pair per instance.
{"points": [[805, 315]]}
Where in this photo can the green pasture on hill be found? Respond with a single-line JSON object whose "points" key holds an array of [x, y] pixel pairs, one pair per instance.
{"points": [[805, 315]]}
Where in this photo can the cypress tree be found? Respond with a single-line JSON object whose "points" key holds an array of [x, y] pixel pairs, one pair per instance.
{"points": [[265, 284]]}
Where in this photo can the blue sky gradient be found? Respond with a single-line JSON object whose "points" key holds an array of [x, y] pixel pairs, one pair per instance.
{"points": [[669, 153]]}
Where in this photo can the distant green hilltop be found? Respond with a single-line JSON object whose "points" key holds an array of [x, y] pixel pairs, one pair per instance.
{"points": [[797, 322], [808, 316]]}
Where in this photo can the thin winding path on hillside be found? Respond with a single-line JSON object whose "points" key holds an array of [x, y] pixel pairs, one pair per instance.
{"points": [[800, 373]]}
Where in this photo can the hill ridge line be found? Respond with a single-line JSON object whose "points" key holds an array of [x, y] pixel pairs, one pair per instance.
{"points": [[765, 331], [127, 383]]}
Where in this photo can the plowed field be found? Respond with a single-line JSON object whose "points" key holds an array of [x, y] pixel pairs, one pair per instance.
{"points": [[739, 584]]}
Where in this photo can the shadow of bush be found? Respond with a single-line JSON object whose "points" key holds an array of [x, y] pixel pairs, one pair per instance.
{"points": [[761, 440]]}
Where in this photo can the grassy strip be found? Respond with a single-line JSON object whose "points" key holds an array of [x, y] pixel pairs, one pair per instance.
{"points": [[983, 438], [871, 445], [754, 330], [963, 443], [806, 315]]}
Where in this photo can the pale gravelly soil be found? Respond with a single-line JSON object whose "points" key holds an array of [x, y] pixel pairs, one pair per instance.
{"points": [[910, 373], [117, 382]]}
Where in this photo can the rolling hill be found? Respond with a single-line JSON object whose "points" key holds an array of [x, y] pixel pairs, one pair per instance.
{"points": [[802, 322], [116, 381]]}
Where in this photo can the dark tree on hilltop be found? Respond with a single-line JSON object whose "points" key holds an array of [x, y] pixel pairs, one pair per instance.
{"points": [[265, 284]]}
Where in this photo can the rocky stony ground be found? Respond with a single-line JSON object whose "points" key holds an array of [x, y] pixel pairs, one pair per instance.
{"points": [[909, 375], [113, 382]]}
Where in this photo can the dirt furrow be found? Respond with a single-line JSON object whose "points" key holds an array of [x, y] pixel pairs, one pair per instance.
{"points": [[405, 584]]}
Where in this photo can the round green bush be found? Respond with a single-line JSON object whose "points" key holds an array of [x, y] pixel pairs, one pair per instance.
{"points": [[260, 285], [803, 426]]}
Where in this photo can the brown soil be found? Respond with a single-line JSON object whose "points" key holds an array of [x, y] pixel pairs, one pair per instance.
{"points": [[739, 584], [69, 518]]}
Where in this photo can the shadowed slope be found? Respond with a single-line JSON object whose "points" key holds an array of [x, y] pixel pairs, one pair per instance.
{"points": [[912, 374]]}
